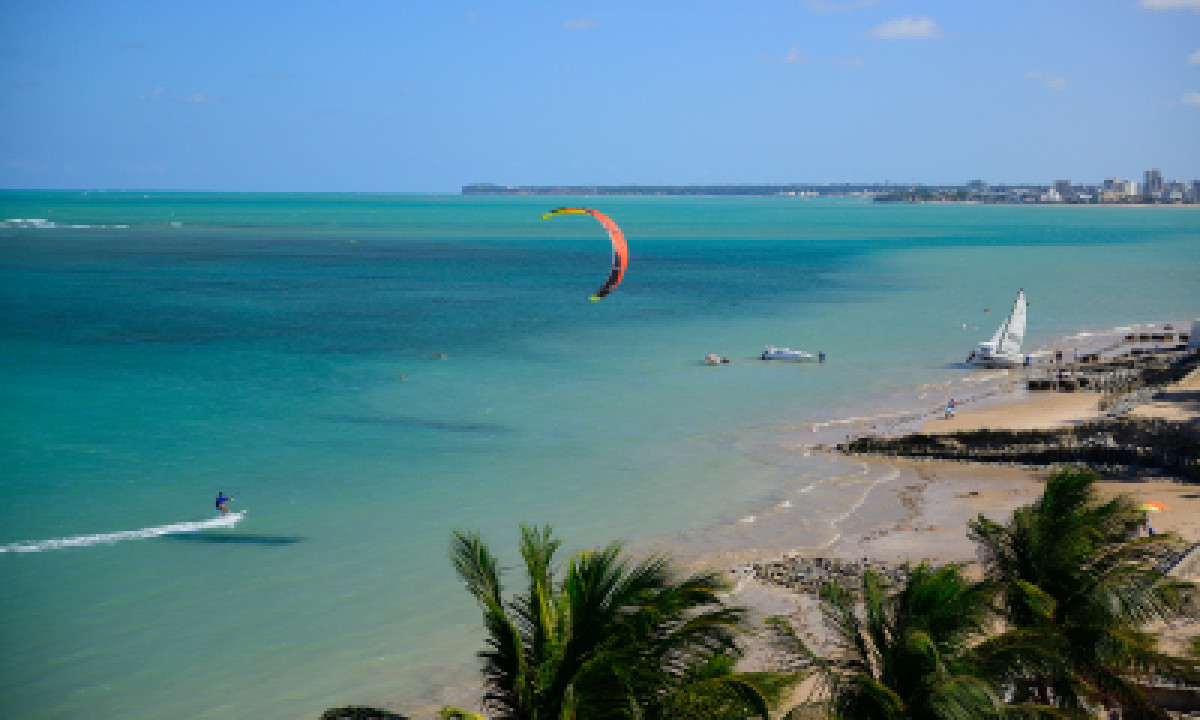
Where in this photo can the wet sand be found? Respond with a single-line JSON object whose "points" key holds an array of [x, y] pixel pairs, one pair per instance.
{"points": [[1180, 402], [935, 499], [1028, 411]]}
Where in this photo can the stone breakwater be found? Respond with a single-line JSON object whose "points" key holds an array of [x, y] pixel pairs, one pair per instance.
{"points": [[809, 574], [1111, 445], [1117, 444], [1119, 380]]}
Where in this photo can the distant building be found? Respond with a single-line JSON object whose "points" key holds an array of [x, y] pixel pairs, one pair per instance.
{"points": [[1117, 185], [1154, 183], [1064, 189], [1117, 190]]}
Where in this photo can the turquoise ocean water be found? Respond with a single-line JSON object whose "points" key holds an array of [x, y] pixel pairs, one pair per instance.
{"points": [[286, 349]]}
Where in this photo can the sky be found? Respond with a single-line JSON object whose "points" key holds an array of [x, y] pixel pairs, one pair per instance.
{"points": [[412, 96]]}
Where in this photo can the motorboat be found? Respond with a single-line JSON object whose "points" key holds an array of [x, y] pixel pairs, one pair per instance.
{"points": [[1003, 350], [778, 353]]}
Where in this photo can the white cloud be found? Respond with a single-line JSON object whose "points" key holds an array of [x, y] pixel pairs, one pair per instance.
{"points": [[798, 55], [201, 99], [1170, 5], [1194, 58], [795, 56], [1191, 98], [156, 94], [580, 24], [908, 28], [1053, 82], [825, 6]]}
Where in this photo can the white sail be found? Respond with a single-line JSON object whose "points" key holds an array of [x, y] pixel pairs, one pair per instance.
{"points": [[1012, 332], [1004, 349]]}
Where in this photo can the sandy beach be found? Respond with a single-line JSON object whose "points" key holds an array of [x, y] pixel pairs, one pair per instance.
{"points": [[939, 497], [1041, 410], [950, 482], [1180, 402], [1029, 411]]}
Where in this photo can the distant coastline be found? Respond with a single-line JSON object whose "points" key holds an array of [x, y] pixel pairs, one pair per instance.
{"points": [[975, 193]]}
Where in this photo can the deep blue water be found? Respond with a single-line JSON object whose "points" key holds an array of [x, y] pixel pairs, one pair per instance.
{"points": [[289, 351]]}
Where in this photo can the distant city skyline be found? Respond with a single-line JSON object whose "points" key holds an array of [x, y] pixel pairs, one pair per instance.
{"points": [[1154, 189], [380, 96]]}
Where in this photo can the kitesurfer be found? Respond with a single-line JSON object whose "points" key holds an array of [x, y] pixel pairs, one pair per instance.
{"points": [[223, 503], [620, 251]]}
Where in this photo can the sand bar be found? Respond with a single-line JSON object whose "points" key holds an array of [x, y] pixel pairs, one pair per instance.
{"points": [[1029, 411], [1180, 402], [937, 498]]}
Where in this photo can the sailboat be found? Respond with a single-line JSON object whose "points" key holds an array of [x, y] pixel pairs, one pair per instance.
{"points": [[1004, 349]]}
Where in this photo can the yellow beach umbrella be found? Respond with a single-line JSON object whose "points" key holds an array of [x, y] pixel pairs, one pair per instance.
{"points": [[1153, 507]]}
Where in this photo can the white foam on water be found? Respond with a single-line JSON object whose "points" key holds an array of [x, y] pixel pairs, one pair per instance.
{"points": [[889, 477], [221, 521]]}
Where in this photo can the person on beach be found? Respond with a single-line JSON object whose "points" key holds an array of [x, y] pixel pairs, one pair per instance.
{"points": [[223, 503], [950, 408]]}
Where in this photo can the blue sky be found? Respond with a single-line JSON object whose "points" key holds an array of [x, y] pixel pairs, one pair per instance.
{"points": [[409, 96]]}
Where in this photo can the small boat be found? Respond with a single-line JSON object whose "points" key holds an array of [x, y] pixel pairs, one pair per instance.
{"points": [[1004, 349], [713, 359], [778, 353]]}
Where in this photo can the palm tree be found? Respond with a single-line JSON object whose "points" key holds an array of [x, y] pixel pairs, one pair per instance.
{"points": [[608, 639], [1075, 587], [906, 654]]}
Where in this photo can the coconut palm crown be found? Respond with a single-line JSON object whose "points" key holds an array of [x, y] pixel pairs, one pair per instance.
{"points": [[1075, 586], [607, 639], [905, 652]]}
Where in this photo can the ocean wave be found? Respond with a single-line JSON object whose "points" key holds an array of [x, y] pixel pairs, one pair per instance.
{"points": [[222, 521], [44, 224]]}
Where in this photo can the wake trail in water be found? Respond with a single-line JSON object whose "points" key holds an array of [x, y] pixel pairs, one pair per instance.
{"points": [[221, 521]]}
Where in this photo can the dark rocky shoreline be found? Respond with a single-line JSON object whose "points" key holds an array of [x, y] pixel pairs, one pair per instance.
{"points": [[809, 574], [1114, 445], [1121, 446]]}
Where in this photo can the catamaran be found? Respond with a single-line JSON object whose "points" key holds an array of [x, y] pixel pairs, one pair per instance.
{"points": [[1004, 349], [778, 353]]}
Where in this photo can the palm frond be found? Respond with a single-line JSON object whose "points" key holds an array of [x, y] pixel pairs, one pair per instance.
{"points": [[449, 713], [1075, 585], [964, 697], [504, 665]]}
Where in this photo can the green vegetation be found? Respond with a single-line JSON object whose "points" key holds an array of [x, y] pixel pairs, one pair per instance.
{"points": [[607, 640], [1077, 589], [908, 654], [1054, 629]]}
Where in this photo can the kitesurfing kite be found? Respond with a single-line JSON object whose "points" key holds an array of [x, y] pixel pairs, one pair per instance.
{"points": [[620, 251]]}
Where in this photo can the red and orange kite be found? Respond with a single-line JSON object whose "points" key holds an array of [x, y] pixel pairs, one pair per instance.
{"points": [[620, 251]]}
